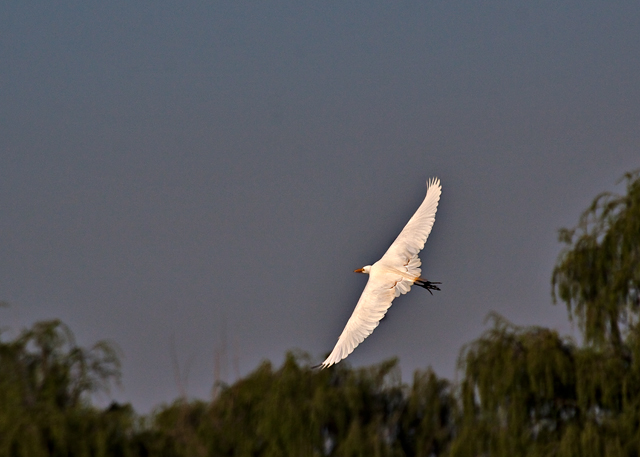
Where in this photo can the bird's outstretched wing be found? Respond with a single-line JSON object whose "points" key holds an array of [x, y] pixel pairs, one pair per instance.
{"points": [[374, 302], [413, 236], [386, 282]]}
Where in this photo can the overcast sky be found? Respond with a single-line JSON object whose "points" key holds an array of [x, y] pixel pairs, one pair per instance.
{"points": [[197, 181]]}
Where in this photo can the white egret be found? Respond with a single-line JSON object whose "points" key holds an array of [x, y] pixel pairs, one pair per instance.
{"points": [[392, 275]]}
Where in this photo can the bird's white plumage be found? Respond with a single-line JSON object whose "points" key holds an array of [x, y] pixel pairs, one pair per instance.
{"points": [[389, 277]]}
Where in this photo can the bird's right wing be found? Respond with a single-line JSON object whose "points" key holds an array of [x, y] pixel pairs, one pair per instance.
{"points": [[374, 302], [413, 236]]}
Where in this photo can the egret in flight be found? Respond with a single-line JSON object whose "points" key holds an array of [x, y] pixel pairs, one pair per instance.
{"points": [[392, 275]]}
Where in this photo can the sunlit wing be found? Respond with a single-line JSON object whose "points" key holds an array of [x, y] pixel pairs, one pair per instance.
{"points": [[374, 302], [414, 235]]}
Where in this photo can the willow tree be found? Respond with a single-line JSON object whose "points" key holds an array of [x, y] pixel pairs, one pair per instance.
{"points": [[518, 392], [529, 391], [598, 274], [46, 382]]}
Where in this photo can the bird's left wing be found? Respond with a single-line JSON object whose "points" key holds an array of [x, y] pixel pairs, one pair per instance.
{"points": [[374, 302], [413, 236]]}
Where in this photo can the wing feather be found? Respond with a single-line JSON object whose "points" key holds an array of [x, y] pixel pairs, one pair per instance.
{"points": [[414, 235], [374, 302]]}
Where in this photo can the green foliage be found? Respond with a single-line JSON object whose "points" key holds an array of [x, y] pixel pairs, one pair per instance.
{"points": [[297, 410], [518, 391], [429, 415], [528, 391], [598, 273], [45, 384]]}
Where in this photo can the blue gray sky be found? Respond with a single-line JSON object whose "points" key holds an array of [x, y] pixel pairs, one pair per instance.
{"points": [[196, 181]]}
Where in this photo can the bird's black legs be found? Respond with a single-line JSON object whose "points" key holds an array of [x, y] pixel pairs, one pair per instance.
{"points": [[427, 284]]}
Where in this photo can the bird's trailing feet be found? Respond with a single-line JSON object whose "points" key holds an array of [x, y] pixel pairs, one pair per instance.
{"points": [[427, 284]]}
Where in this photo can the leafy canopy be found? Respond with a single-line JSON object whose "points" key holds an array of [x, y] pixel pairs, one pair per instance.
{"points": [[598, 273]]}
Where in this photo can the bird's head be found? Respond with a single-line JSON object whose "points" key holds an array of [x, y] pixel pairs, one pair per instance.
{"points": [[365, 270]]}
